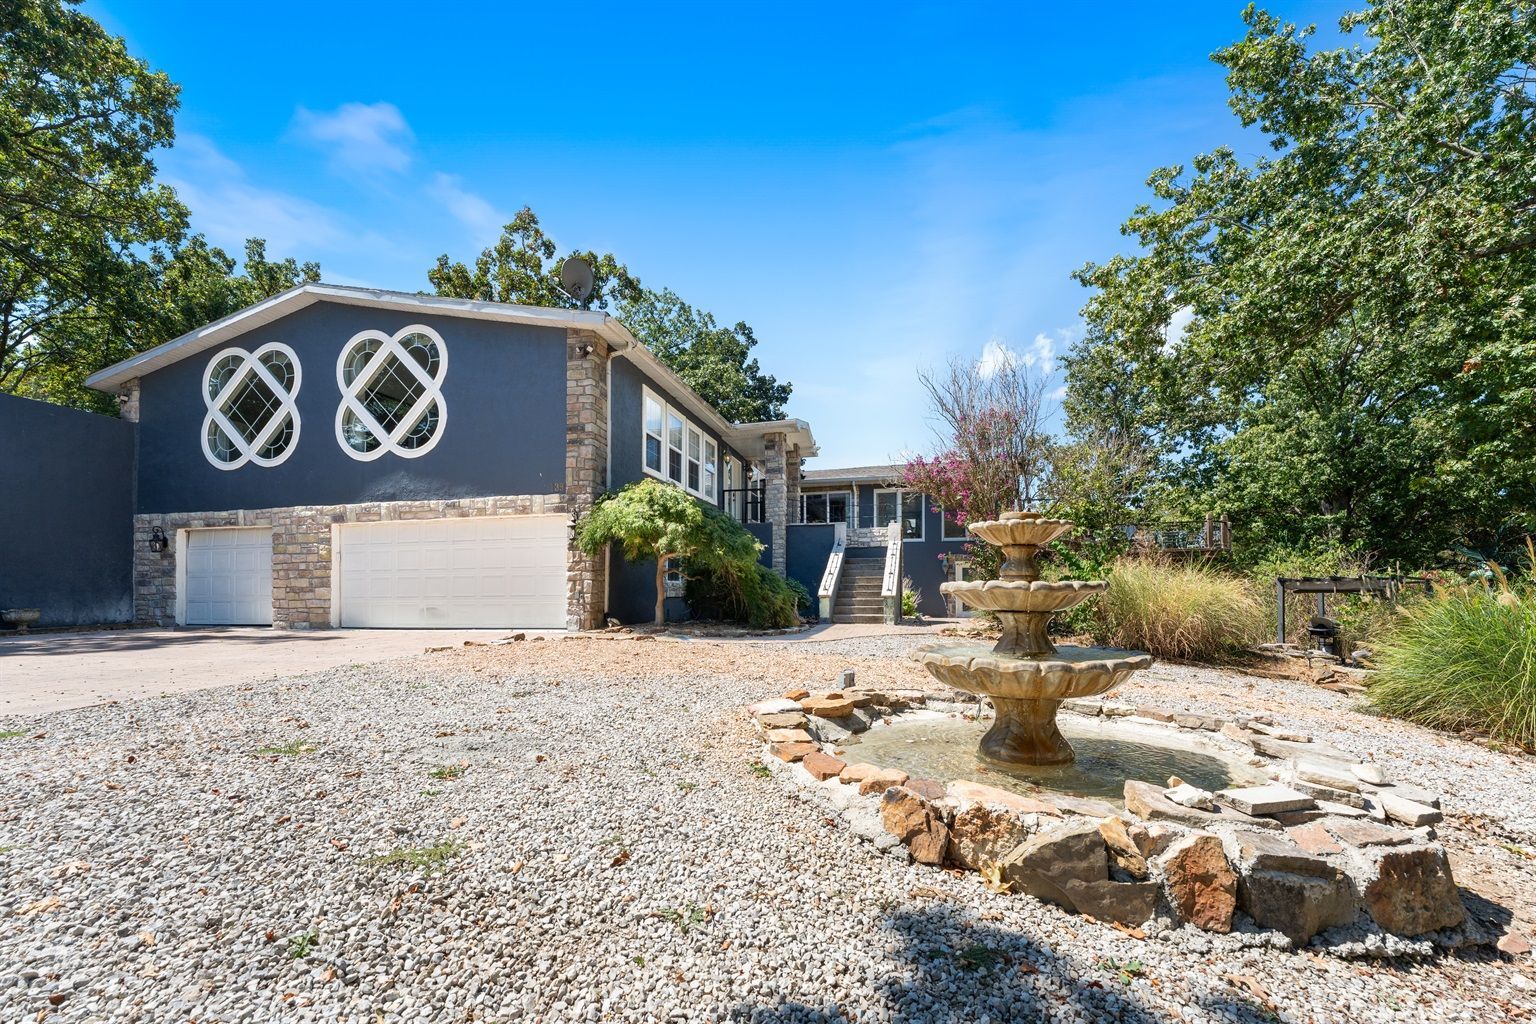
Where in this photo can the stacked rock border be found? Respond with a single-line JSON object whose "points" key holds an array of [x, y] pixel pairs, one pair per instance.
{"points": [[1328, 853]]}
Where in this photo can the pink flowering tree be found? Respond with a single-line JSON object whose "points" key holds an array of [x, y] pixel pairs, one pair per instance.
{"points": [[993, 453]]}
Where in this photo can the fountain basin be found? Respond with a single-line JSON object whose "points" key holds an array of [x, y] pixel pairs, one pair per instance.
{"points": [[1109, 751], [1024, 595], [1020, 529], [1072, 672]]}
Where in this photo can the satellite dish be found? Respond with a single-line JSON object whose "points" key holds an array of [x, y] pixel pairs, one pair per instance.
{"points": [[576, 278]]}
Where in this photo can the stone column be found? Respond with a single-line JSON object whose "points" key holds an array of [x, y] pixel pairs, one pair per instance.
{"points": [[128, 401], [776, 477], [586, 469]]}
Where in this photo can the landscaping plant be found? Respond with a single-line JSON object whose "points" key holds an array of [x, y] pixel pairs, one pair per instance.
{"points": [[653, 521], [1187, 611], [1465, 659]]}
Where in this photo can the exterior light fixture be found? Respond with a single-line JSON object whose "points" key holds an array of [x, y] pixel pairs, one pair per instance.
{"points": [[157, 541]]}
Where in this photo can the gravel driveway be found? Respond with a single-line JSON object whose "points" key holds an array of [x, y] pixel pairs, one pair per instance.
{"points": [[573, 830]]}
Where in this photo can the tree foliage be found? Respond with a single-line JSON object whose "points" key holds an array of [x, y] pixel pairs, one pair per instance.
{"points": [[654, 521], [79, 205], [1359, 362], [714, 360]]}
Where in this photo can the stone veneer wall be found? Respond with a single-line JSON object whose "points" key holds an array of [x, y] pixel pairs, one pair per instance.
{"points": [[586, 468], [301, 548], [776, 497]]}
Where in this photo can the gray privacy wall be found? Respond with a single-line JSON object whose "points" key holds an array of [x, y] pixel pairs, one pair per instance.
{"points": [[503, 431], [66, 513], [807, 547]]}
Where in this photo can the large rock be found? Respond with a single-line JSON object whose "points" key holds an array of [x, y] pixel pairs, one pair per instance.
{"points": [[1324, 772], [1282, 886], [965, 793], [1147, 801], [1123, 902], [832, 705], [982, 834], [1044, 864], [792, 751], [1358, 832], [775, 706], [1123, 849], [881, 781], [1201, 885], [828, 731], [1267, 799], [916, 822], [781, 720], [823, 766], [1409, 812], [787, 736], [1408, 890]]}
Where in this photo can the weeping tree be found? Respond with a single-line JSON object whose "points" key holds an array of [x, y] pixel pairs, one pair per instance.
{"points": [[653, 520]]}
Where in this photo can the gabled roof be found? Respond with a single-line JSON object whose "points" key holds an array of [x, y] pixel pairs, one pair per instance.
{"points": [[744, 437], [888, 474], [297, 298]]}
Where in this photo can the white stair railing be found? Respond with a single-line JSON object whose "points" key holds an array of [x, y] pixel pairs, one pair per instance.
{"points": [[890, 583], [826, 594]]}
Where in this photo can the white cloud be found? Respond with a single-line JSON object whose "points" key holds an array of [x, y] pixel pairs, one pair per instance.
{"points": [[469, 209], [996, 356], [228, 208], [367, 138], [1177, 325], [1043, 357]]}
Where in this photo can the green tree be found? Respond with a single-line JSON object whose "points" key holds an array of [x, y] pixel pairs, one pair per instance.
{"points": [[1359, 362], [79, 205], [653, 520], [714, 360], [173, 292]]}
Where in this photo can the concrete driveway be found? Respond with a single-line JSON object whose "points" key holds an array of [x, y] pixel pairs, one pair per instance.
{"points": [[52, 671]]}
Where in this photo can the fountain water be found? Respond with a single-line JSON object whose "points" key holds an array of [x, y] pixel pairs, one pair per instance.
{"points": [[1025, 675]]}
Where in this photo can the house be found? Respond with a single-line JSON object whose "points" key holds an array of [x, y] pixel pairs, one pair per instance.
{"points": [[342, 456], [868, 500]]}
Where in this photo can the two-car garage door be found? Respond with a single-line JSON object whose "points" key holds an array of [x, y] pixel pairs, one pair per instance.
{"points": [[472, 572], [489, 572]]}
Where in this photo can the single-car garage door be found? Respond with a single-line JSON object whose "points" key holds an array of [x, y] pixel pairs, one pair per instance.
{"points": [[476, 572], [229, 577]]}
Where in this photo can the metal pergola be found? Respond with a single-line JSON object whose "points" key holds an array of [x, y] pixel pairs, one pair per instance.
{"points": [[1387, 587]]}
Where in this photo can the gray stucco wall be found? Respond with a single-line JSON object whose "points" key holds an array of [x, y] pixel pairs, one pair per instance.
{"points": [[631, 585], [806, 549], [66, 513], [503, 432]]}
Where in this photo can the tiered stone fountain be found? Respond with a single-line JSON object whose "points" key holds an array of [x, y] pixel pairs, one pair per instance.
{"points": [[1024, 674]]}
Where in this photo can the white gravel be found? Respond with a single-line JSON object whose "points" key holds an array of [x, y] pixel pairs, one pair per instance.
{"points": [[619, 860]]}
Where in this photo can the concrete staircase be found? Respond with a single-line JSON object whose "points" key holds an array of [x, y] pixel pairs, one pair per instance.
{"points": [[858, 592]]}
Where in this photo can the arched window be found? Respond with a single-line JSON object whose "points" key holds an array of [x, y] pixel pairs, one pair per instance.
{"points": [[252, 416]]}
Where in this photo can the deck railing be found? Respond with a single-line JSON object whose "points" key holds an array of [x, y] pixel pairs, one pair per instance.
{"points": [[747, 504]]}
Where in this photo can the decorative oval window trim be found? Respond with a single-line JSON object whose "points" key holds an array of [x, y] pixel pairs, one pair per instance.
{"points": [[287, 405], [390, 344]]}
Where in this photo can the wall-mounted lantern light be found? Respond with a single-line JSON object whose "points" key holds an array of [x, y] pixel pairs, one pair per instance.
{"points": [[157, 541]]}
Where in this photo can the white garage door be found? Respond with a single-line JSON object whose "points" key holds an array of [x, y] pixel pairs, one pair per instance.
{"points": [[229, 577], [479, 572]]}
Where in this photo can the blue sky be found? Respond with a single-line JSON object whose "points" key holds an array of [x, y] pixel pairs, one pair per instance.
{"points": [[874, 188]]}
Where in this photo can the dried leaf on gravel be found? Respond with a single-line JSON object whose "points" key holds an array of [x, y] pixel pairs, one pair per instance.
{"points": [[41, 906]]}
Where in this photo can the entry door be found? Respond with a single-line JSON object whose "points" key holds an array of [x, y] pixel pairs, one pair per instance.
{"points": [[229, 577], [473, 572]]}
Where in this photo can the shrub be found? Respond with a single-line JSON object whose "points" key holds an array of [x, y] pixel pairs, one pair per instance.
{"points": [[1465, 659], [1187, 611], [753, 594], [909, 599]]}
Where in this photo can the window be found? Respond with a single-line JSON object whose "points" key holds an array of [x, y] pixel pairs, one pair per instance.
{"points": [[391, 393], [673, 582], [824, 508], [711, 470], [952, 529], [695, 448], [251, 412], [653, 416], [675, 449], [908, 505]]}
